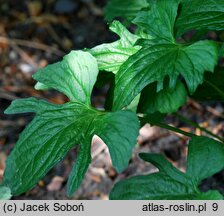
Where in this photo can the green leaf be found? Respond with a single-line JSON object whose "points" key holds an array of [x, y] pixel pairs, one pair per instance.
{"points": [[119, 130], [210, 195], [169, 182], [164, 101], [55, 130], [165, 167], [44, 142], [134, 104], [110, 56], [27, 105], [126, 9], [41, 86], [74, 76], [159, 20], [153, 63], [205, 92], [5, 193], [200, 15], [205, 158], [221, 51], [80, 167], [151, 187]]}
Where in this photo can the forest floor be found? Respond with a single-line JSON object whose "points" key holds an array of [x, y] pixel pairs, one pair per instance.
{"points": [[34, 34]]}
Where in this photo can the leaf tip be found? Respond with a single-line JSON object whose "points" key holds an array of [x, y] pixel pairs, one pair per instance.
{"points": [[9, 109], [5, 193], [69, 193], [142, 155]]}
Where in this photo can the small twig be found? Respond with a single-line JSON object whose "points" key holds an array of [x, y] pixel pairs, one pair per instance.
{"points": [[168, 127], [55, 37], [31, 44], [194, 124], [214, 112], [24, 56], [7, 96], [8, 123], [197, 106]]}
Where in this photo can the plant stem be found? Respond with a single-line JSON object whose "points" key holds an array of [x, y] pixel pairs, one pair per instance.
{"points": [[168, 127], [182, 118], [220, 92]]}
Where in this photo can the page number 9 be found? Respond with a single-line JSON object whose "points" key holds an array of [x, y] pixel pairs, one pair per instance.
{"points": [[215, 206]]}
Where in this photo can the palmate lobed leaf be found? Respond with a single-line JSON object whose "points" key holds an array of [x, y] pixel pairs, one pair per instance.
{"points": [[55, 129], [161, 57], [169, 182], [153, 63]]}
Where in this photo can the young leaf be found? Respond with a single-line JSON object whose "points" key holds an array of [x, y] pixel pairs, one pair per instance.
{"points": [[159, 20], [55, 130], [5, 193], [74, 76], [169, 182], [111, 56], [164, 101], [200, 15], [152, 63], [126, 9]]}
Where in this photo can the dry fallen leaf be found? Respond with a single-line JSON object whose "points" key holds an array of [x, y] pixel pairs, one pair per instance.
{"points": [[2, 164], [55, 184]]}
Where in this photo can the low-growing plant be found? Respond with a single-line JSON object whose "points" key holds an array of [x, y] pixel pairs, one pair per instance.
{"points": [[156, 68]]}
